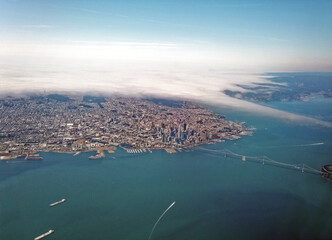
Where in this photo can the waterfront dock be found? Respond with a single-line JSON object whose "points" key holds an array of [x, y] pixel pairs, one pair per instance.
{"points": [[33, 157], [133, 150]]}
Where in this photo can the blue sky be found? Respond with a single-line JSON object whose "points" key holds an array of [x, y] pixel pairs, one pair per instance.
{"points": [[298, 30]]}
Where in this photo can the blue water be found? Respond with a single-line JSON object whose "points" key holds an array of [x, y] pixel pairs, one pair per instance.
{"points": [[122, 195]]}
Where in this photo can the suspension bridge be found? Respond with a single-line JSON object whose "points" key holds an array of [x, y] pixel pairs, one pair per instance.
{"points": [[304, 168]]}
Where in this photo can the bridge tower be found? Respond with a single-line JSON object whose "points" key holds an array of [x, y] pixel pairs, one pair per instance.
{"points": [[243, 158]]}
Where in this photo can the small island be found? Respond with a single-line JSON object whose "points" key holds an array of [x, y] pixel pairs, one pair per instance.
{"points": [[73, 124], [326, 172]]}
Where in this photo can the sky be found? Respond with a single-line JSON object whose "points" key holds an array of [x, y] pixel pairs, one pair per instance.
{"points": [[177, 48], [260, 35]]}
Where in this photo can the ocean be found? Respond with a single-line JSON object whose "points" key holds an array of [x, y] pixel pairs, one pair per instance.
{"points": [[121, 196]]}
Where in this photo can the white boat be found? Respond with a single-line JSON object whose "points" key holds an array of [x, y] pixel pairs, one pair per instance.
{"points": [[58, 202], [44, 235]]}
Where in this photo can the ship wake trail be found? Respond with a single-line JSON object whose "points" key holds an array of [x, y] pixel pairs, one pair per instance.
{"points": [[161, 216], [299, 145], [312, 144]]}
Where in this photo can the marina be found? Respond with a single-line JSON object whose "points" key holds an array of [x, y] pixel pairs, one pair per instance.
{"points": [[136, 150]]}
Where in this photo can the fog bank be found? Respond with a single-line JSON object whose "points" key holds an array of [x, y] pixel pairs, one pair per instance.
{"points": [[193, 81]]}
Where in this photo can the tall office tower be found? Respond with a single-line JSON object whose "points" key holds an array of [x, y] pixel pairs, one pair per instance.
{"points": [[179, 131]]}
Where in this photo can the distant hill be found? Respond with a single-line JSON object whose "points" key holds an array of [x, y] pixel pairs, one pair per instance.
{"points": [[287, 87], [58, 97]]}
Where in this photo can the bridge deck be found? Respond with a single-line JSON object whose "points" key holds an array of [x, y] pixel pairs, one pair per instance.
{"points": [[264, 160]]}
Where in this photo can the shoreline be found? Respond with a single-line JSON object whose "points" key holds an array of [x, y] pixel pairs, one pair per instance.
{"points": [[100, 153], [120, 121]]}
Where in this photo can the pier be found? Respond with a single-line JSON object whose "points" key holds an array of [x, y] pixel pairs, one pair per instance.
{"points": [[304, 168], [33, 157], [134, 150]]}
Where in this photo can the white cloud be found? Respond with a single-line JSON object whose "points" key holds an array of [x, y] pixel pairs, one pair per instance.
{"points": [[130, 68], [40, 26], [122, 43]]}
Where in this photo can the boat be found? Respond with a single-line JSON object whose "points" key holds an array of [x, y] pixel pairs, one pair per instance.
{"points": [[58, 202], [44, 235]]}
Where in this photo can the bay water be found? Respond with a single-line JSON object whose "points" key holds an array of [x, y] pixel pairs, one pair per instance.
{"points": [[121, 196]]}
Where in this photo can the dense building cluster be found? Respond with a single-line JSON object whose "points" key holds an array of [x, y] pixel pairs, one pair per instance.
{"points": [[58, 123]]}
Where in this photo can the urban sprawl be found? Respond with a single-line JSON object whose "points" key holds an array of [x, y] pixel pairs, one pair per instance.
{"points": [[72, 124]]}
